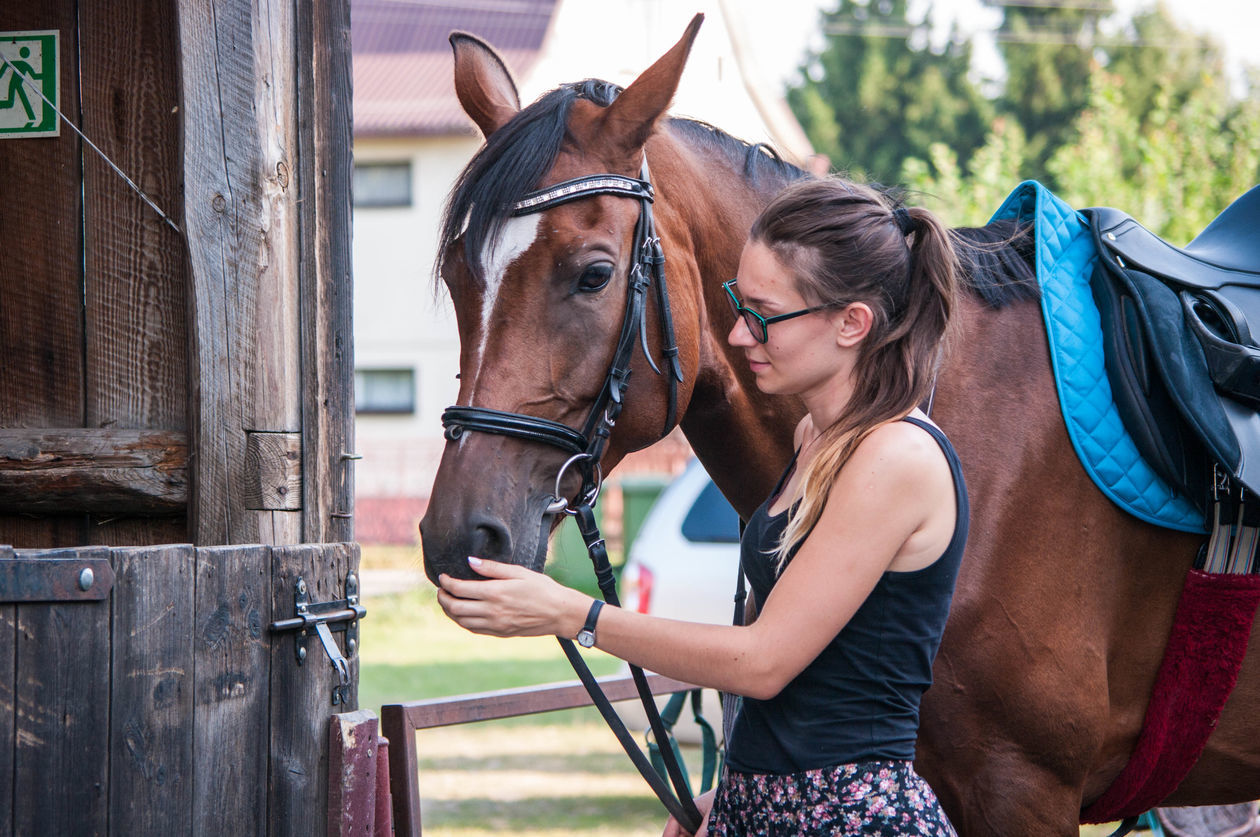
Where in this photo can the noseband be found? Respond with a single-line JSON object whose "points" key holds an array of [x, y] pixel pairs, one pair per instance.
{"points": [[586, 446]]}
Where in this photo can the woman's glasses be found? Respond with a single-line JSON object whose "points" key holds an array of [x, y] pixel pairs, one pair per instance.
{"points": [[757, 324]]}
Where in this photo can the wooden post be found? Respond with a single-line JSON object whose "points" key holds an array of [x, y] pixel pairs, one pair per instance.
{"points": [[325, 138], [352, 771], [251, 192]]}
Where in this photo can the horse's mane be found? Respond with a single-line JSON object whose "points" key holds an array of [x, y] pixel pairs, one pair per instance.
{"points": [[997, 262], [517, 156]]}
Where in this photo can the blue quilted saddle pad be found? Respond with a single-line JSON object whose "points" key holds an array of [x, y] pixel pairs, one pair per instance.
{"points": [[1066, 255]]}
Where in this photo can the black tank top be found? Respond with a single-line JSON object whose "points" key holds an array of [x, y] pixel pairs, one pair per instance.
{"points": [[859, 699]]}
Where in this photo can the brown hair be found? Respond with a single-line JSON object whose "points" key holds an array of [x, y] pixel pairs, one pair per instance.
{"points": [[844, 243]]}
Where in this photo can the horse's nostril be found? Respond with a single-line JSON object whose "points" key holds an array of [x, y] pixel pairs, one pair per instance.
{"points": [[491, 538]]}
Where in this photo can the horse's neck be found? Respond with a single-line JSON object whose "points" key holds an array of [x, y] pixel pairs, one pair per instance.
{"points": [[743, 437]]}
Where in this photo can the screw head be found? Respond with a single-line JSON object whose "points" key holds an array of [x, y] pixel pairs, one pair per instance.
{"points": [[86, 579], [301, 654]]}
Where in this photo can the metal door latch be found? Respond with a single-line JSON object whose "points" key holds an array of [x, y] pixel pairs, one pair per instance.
{"points": [[341, 615]]}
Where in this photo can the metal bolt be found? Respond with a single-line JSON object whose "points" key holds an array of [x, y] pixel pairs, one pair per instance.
{"points": [[301, 586], [86, 579], [301, 654], [351, 646]]}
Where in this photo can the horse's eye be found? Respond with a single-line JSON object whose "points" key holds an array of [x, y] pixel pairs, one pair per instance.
{"points": [[595, 277]]}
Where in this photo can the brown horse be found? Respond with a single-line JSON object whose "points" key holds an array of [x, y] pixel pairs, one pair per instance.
{"points": [[1064, 602]]}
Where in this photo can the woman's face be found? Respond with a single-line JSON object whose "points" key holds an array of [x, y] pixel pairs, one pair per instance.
{"points": [[801, 354]]}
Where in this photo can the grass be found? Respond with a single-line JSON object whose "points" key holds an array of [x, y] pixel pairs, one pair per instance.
{"points": [[561, 773]]}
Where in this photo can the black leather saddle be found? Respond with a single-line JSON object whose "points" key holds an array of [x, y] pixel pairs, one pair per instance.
{"points": [[1180, 327]]}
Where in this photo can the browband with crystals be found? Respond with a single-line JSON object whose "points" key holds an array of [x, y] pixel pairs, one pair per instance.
{"points": [[581, 187]]}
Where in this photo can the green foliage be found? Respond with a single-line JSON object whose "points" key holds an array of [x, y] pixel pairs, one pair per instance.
{"points": [[1141, 120], [1173, 169], [1048, 65], [870, 102]]}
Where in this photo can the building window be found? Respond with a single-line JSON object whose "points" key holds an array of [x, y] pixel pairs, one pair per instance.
{"points": [[382, 184], [384, 390]]}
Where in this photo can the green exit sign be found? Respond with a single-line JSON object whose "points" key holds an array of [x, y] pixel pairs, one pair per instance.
{"points": [[30, 83]]}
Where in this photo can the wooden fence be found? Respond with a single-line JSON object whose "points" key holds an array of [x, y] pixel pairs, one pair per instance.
{"points": [[157, 701], [401, 721]]}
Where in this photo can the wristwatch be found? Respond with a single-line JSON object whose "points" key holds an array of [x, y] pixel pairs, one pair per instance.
{"points": [[586, 636]]}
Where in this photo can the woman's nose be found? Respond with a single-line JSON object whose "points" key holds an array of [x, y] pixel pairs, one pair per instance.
{"points": [[740, 334]]}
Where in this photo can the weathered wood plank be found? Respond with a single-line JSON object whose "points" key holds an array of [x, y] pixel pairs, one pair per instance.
{"points": [[273, 468], [302, 694], [151, 737], [325, 134], [104, 470], [231, 690], [8, 706], [134, 289], [41, 280], [44, 531], [62, 718], [352, 767], [136, 279], [41, 284]]}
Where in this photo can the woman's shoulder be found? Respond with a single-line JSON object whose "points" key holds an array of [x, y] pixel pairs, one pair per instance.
{"points": [[900, 450]]}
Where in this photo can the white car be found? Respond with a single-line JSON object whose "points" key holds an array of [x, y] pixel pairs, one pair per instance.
{"points": [[683, 565], [683, 561]]}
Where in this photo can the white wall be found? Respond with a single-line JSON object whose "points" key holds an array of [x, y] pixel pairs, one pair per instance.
{"points": [[398, 320]]}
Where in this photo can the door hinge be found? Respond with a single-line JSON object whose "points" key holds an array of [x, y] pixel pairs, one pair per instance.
{"points": [[25, 579]]}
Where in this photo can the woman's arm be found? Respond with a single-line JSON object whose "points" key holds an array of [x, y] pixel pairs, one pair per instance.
{"points": [[894, 486]]}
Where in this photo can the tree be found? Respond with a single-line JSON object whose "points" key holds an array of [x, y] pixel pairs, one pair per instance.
{"points": [[878, 93], [1049, 54]]}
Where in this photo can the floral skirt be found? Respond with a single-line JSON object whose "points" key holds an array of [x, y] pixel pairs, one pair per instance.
{"points": [[874, 797]]}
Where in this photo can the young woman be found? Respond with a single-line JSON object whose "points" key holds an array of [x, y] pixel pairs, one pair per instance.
{"points": [[843, 302]]}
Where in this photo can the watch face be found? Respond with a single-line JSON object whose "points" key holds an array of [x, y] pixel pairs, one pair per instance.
{"points": [[586, 638]]}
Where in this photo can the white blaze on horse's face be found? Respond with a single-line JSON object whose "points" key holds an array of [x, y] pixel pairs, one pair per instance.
{"points": [[514, 239]]}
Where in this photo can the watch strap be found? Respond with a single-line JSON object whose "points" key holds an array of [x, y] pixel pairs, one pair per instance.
{"points": [[588, 629]]}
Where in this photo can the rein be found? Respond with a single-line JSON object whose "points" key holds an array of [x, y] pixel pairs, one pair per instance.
{"points": [[586, 446]]}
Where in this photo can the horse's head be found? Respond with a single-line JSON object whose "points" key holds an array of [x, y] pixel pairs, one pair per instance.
{"points": [[545, 288]]}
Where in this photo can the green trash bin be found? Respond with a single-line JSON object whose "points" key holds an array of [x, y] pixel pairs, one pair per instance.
{"points": [[638, 493], [567, 560]]}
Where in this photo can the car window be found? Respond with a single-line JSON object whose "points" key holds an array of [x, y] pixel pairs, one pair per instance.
{"points": [[711, 518]]}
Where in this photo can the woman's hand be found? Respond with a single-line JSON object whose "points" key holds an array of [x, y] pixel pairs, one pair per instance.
{"points": [[512, 601], [705, 803]]}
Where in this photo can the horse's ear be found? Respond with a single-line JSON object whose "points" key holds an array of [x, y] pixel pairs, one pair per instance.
{"points": [[483, 83], [633, 115]]}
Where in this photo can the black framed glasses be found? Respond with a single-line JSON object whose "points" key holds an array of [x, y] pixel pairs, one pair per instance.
{"points": [[757, 324]]}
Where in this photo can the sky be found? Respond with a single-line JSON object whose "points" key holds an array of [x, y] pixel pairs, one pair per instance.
{"points": [[788, 24]]}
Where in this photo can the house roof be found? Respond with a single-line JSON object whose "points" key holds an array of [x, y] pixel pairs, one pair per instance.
{"points": [[403, 66]]}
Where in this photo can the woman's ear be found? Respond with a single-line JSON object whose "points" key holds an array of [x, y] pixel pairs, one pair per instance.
{"points": [[853, 323]]}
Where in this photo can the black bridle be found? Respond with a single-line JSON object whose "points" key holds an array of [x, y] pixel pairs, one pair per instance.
{"points": [[586, 446]]}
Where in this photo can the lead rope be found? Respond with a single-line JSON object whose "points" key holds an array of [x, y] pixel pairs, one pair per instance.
{"points": [[683, 807]]}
